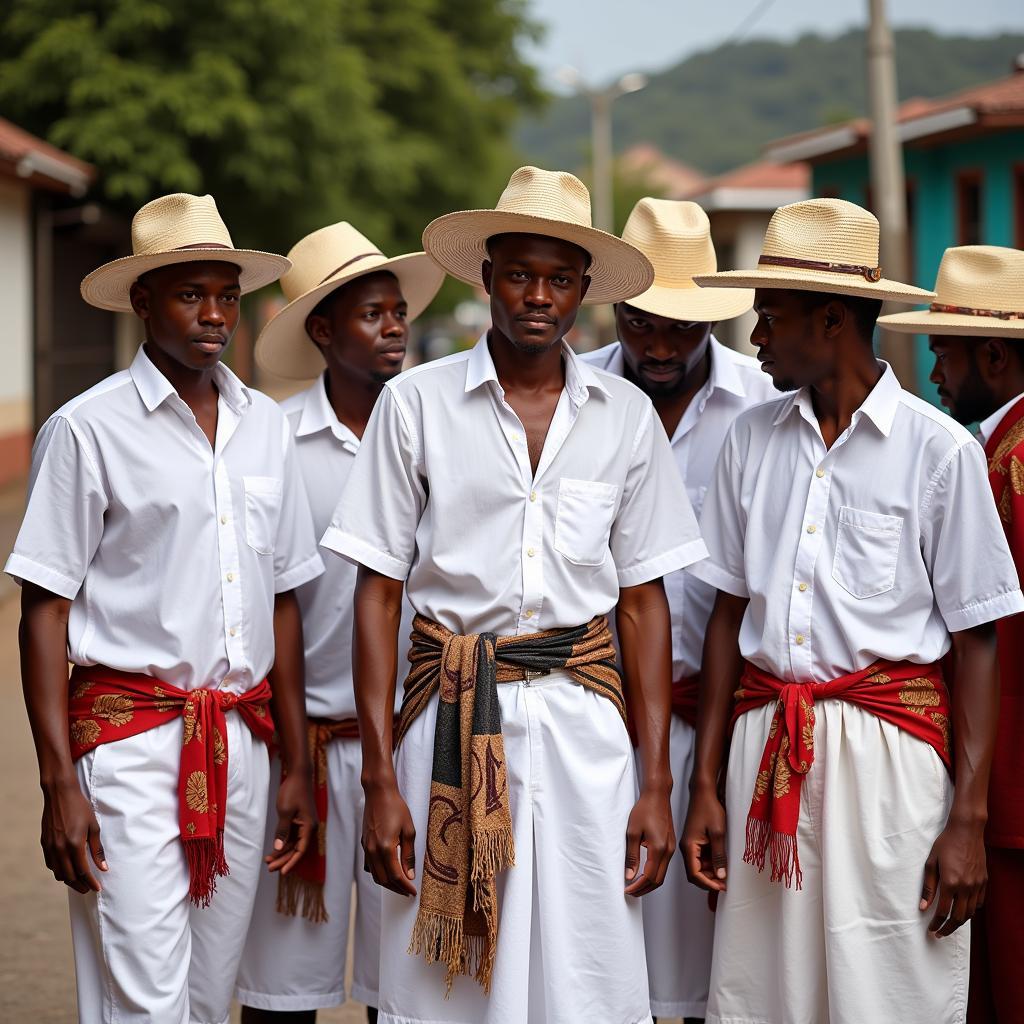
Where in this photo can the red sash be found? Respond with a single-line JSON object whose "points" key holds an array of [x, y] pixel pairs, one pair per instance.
{"points": [[910, 696], [684, 699], [106, 705]]}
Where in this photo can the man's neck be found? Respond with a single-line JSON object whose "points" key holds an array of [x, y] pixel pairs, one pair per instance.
{"points": [[1009, 387], [840, 395], [196, 388], [352, 399], [525, 371]]}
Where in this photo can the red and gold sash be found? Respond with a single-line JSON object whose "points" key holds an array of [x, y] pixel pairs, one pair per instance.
{"points": [[684, 699], [910, 696], [106, 705]]}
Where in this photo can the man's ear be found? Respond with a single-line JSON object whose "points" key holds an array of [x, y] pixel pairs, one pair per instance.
{"points": [[487, 272], [835, 315], [994, 355], [319, 329], [138, 295], [585, 287]]}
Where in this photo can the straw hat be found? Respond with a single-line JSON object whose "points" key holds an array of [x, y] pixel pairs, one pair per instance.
{"points": [[538, 202], [321, 263], [676, 238], [179, 228], [979, 292], [820, 245]]}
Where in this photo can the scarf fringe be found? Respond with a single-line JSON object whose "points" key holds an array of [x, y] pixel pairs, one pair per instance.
{"points": [[441, 939], [762, 840], [493, 850], [290, 888], [206, 861]]}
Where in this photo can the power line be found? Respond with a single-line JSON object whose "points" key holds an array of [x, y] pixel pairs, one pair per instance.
{"points": [[744, 27]]}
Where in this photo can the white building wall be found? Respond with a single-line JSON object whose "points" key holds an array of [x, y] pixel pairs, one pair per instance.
{"points": [[15, 309]]}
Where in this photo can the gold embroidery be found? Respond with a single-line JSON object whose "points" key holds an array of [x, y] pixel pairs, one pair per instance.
{"points": [[195, 793], [782, 770], [878, 679], [82, 689], [190, 828], [116, 708], [193, 727], [220, 752], [942, 723], [1014, 437], [1005, 506], [1017, 475], [807, 732], [773, 730], [918, 694], [85, 731], [764, 778]]}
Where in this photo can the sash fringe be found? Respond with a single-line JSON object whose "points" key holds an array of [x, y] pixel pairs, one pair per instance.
{"points": [[290, 888], [206, 861], [785, 856]]}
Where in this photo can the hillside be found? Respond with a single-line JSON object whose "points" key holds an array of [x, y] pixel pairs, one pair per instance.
{"points": [[717, 109]]}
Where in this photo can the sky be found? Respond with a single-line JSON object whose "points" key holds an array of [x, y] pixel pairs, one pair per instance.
{"points": [[606, 38]]}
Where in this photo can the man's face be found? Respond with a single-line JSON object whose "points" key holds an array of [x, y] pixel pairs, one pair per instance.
{"points": [[658, 351], [364, 331], [790, 340], [536, 285], [190, 310], [962, 388]]}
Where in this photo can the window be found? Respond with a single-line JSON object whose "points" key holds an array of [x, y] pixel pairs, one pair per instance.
{"points": [[968, 207]]}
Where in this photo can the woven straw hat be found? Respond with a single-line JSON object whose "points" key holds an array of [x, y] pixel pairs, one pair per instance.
{"points": [[820, 245], [676, 238], [321, 263], [179, 228], [979, 292], [538, 202]]}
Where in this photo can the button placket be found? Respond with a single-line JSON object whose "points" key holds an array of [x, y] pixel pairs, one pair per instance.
{"points": [[230, 580]]}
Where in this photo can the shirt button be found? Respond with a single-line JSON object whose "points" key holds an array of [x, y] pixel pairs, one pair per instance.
{"points": [[802, 587], [231, 577], [530, 552], [515, 436], [812, 528], [529, 613], [223, 520], [819, 472], [533, 495], [800, 639], [232, 631]]}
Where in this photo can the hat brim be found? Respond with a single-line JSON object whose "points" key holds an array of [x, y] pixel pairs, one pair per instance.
{"points": [[458, 242], [286, 350], [108, 287], [694, 305], [816, 281], [923, 321]]}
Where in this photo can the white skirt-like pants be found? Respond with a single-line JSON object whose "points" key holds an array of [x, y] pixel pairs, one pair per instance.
{"points": [[143, 952], [570, 942], [290, 963], [852, 946]]}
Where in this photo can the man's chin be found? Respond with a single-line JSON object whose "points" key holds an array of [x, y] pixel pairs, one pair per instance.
{"points": [[534, 343]]}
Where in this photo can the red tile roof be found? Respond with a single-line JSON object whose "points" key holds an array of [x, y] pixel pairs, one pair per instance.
{"points": [[22, 155]]}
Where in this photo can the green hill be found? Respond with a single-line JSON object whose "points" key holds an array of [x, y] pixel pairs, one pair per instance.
{"points": [[716, 109]]}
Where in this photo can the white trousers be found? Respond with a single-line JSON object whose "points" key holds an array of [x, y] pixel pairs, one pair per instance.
{"points": [[143, 952], [678, 926], [570, 942], [290, 963], [851, 947]]}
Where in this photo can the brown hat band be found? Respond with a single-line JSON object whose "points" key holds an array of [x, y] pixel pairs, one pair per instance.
{"points": [[348, 263], [998, 314], [871, 274]]}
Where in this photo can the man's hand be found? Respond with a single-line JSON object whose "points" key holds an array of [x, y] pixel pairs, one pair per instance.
{"points": [[296, 822], [69, 826], [649, 826], [389, 838], [703, 842], [957, 873]]}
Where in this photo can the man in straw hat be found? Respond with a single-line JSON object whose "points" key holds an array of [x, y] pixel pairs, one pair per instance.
{"points": [[347, 325], [165, 534], [698, 387], [520, 494], [852, 546], [976, 328]]}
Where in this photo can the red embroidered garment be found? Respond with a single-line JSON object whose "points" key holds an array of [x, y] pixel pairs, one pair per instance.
{"points": [[910, 696], [684, 699], [106, 705], [1005, 451]]}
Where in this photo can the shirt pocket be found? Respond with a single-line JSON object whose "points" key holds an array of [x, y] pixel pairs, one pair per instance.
{"points": [[262, 511], [867, 547], [583, 520]]}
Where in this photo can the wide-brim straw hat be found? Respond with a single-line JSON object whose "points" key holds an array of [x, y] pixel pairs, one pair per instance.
{"points": [[539, 202], [321, 263], [179, 228], [676, 238], [820, 245], [979, 292]]}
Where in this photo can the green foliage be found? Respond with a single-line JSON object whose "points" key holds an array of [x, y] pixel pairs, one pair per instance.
{"points": [[717, 109], [294, 115]]}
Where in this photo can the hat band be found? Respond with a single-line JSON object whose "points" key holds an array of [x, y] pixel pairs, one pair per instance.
{"points": [[998, 314], [201, 245], [871, 274], [348, 263]]}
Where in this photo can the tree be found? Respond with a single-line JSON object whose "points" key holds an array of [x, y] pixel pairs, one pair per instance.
{"points": [[381, 112]]}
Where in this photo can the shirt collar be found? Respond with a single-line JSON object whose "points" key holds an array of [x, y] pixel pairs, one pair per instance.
{"points": [[880, 405], [724, 374], [318, 414], [154, 388], [987, 427], [580, 378]]}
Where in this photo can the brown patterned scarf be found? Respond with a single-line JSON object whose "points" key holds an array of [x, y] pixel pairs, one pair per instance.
{"points": [[469, 825]]}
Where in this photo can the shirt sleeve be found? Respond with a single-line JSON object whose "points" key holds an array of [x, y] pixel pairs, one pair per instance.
{"points": [[63, 520], [296, 557], [723, 525], [375, 521], [655, 531], [973, 576]]}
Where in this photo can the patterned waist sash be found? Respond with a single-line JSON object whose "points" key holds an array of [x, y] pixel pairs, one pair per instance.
{"points": [[469, 825], [106, 705], [912, 697]]}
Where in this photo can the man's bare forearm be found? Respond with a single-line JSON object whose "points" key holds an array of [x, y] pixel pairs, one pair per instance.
{"points": [[287, 682]]}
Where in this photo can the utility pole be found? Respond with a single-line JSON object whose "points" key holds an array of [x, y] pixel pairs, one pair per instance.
{"points": [[888, 186]]}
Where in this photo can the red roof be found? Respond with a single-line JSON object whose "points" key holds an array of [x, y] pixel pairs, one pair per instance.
{"points": [[674, 178], [24, 156], [763, 174]]}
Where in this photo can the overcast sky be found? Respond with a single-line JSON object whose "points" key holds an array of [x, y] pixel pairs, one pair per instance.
{"points": [[605, 38]]}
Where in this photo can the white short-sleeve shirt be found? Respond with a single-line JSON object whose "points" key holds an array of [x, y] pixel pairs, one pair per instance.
{"points": [[736, 382], [876, 548], [442, 495], [326, 450], [170, 551]]}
